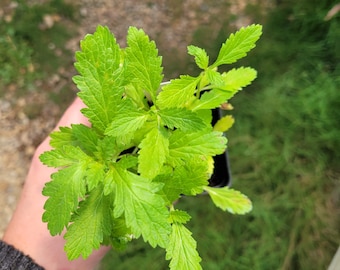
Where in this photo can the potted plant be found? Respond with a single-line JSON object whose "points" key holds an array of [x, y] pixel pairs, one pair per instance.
{"points": [[149, 143]]}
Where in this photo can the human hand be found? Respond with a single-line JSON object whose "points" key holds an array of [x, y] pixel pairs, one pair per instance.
{"points": [[26, 231]]}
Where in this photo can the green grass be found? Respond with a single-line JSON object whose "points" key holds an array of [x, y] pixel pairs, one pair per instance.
{"points": [[290, 171], [30, 50]]}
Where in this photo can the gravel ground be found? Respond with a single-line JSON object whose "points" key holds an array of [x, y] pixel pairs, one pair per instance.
{"points": [[171, 23]]}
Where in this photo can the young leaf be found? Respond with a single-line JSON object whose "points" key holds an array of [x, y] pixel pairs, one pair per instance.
{"points": [[224, 86], [95, 174], [211, 100], [214, 77], [238, 45], [144, 210], [168, 193], [186, 145], [109, 182], [153, 153], [179, 216], [63, 201], [230, 200], [143, 63], [127, 120], [178, 93], [224, 123], [90, 224], [78, 135], [237, 78], [61, 137], [181, 118], [192, 177], [188, 179], [182, 249], [97, 63], [136, 95], [67, 136], [85, 137], [128, 162], [64, 156], [201, 57]]}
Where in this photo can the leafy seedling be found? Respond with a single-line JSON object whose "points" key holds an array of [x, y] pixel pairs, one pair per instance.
{"points": [[149, 143]]}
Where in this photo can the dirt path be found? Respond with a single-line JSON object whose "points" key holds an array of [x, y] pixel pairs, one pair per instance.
{"points": [[171, 23]]}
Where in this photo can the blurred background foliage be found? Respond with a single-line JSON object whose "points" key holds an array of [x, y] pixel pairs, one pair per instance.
{"points": [[284, 146], [32, 42]]}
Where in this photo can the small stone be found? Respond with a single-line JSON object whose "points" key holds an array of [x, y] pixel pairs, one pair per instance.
{"points": [[48, 21]]}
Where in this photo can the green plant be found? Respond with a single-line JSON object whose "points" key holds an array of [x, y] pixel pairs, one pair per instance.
{"points": [[149, 144]]}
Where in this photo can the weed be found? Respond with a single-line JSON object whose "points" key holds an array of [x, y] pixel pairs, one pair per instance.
{"points": [[284, 153]]}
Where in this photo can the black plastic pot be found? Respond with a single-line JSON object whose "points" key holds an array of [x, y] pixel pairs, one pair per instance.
{"points": [[222, 175]]}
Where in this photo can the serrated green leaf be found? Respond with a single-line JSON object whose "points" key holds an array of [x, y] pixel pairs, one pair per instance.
{"points": [[94, 174], [61, 137], [224, 123], [237, 78], [181, 118], [128, 162], [78, 135], [201, 57], [136, 95], [230, 200], [214, 77], [143, 63], [192, 177], [179, 216], [153, 153], [109, 182], [211, 99], [238, 45], [186, 145], [144, 210], [169, 194], [109, 149], [224, 86], [144, 130], [64, 156], [100, 87], [182, 249], [63, 201], [90, 224], [178, 93], [188, 179], [85, 137], [126, 120], [69, 184]]}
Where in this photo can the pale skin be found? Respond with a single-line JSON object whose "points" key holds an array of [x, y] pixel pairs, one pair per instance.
{"points": [[26, 231]]}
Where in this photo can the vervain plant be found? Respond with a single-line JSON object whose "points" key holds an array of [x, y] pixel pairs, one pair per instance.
{"points": [[149, 143]]}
